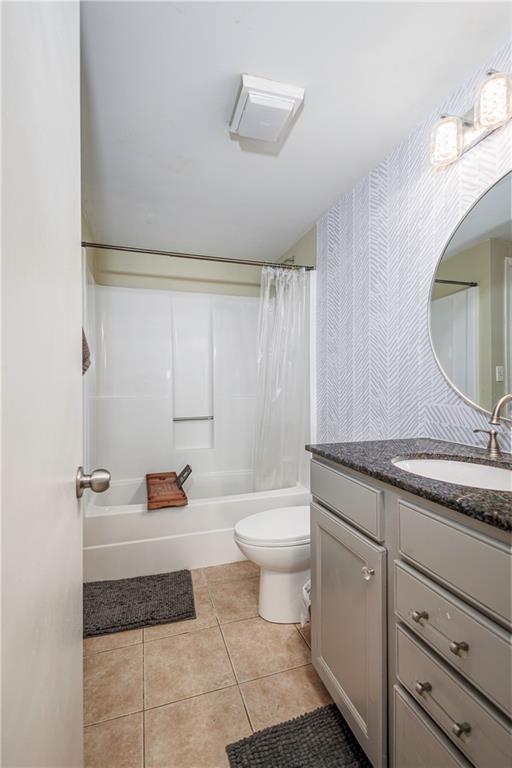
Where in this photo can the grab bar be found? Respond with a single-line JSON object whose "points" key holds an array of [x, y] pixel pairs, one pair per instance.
{"points": [[193, 418]]}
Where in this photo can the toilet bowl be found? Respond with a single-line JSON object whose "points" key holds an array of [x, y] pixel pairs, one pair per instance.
{"points": [[278, 540]]}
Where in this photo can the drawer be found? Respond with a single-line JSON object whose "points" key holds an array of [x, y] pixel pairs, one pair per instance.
{"points": [[479, 568], [418, 743], [441, 620], [477, 729], [354, 500]]}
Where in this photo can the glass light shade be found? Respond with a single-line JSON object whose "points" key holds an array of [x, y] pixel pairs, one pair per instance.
{"points": [[446, 144], [494, 103]]}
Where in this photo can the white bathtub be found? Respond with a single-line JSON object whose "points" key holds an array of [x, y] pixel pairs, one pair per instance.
{"points": [[123, 539]]}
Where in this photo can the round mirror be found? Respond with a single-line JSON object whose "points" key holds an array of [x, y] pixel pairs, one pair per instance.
{"points": [[471, 301]]}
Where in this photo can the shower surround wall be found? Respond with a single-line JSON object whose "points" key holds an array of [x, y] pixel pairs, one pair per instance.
{"points": [[161, 355], [378, 248]]}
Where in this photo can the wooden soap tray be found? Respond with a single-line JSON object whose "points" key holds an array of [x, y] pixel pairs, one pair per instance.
{"points": [[163, 491]]}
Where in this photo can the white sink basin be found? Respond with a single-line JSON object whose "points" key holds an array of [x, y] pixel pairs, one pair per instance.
{"points": [[459, 472]]}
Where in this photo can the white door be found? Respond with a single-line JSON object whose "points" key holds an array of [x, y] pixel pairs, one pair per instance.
{"points": [[41, 387]]}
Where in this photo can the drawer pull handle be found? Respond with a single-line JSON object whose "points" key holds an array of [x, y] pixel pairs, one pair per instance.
{"points": [[367, 572], [458, 648], [417, 616], [422, 688], [459, 729]]}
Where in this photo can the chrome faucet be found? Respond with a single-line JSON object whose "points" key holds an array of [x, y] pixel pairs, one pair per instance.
{"points": [[493, 446], [496, 414]]}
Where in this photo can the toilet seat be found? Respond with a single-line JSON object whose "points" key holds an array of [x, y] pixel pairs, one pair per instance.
{"points": [[281, 527]]}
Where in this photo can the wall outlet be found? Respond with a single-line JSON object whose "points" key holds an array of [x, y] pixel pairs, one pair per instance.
{"points": [[500, 373]]}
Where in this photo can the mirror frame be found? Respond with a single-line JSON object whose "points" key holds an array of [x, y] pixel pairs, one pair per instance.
{"points": [[457, 391]]}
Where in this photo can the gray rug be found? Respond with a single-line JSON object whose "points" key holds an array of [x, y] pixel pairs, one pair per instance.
{"points": [[115, 606], [320, 739]]}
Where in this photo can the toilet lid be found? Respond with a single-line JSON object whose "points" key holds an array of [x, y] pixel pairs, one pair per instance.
{"points": [[280, 527]]}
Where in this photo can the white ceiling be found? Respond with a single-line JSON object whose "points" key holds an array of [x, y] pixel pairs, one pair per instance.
{"points": [[159, 83]]}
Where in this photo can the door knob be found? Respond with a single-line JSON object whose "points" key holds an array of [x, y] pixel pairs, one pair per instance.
{"points": [[98, 481]]}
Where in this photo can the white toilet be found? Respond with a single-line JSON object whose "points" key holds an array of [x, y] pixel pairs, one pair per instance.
{"points": [[278, 540]]}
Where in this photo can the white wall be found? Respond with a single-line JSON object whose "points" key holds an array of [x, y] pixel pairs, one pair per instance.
{"points": [[138, 270], [303, 252], [160, 354]]}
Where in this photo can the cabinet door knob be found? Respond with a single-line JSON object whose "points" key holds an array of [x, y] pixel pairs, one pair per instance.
{"points": [[417, 616], [458, 648], [422, 688], [367, 572], [459, 729]]}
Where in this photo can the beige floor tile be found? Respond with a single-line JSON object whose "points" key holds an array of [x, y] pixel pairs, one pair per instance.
{"points": [[274, 699], [185, 665], [257, 647], [235, 600], [112, 684], [305, 632], [205, 618], [194, 733], [198, 577], [109, 642], [243, 569], [115, 743]]}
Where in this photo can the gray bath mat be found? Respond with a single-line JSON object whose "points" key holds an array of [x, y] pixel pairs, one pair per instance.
{"points": [[320, 739], [114, 606]]}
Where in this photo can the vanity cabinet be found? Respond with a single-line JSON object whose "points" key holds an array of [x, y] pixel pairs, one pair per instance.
{"points": [[411, 623], [443, 622], [348, 625], [450, 552], [419, 744]]}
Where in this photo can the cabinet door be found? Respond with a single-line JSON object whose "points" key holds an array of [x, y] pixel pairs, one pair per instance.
{"points": [[348, 626]]}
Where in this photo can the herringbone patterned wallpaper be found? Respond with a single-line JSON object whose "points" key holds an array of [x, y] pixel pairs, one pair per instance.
{"points": [[378, 249]]}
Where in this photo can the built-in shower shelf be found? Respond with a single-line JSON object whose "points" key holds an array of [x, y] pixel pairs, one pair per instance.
{"points": [[193, 418]]}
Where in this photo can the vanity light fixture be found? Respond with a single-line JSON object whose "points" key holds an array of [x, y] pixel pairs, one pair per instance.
{"points": [[494, 103], [452, 135], [447, 143]]}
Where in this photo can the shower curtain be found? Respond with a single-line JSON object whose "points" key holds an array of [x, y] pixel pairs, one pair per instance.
{"points": [[282, 383]]}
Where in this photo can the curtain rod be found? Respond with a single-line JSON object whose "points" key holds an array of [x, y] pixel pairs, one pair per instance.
{"points": [[179, 255], [456, 282]]}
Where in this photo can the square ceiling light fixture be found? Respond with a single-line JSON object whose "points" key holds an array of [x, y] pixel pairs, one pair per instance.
{"points": [[264, 109]]}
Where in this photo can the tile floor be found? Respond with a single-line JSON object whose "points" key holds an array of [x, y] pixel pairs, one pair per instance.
{"points": [[173, 696]]}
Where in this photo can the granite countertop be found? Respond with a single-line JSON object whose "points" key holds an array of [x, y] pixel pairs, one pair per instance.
{"points": [[373, 457]]}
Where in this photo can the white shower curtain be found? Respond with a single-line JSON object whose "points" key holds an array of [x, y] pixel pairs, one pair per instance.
{"points": [[282, 378]]}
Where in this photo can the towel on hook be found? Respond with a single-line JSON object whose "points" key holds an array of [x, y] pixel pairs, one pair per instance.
{"points": [[86, 354]]}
